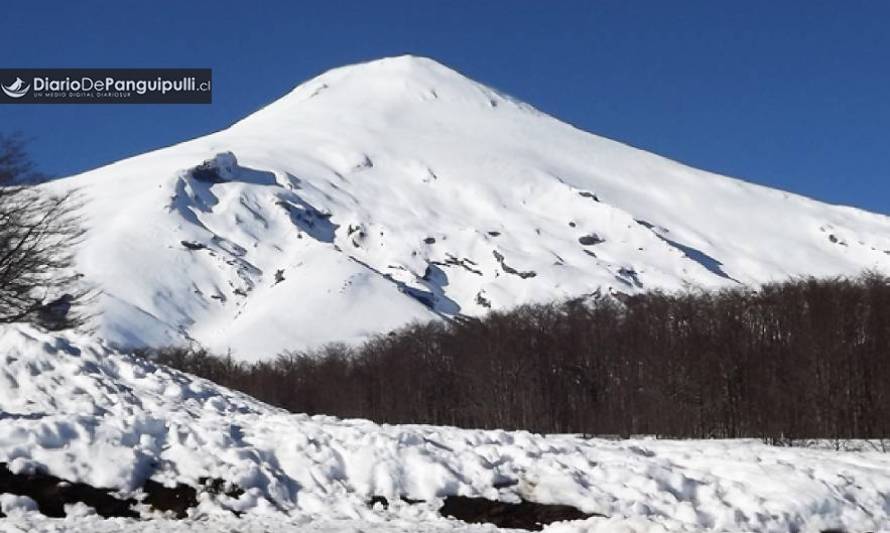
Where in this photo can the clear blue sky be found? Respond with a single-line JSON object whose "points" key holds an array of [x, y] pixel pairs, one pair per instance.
{"points": [[791, 94]]}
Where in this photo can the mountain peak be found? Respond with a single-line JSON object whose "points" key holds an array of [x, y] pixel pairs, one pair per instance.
{"points": [[404, 67], [385, 84], [401, 62]]}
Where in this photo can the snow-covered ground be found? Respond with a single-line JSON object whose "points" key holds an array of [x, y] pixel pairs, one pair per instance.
{"points": [[271, 524], [73, 408], [34, 523], [400, 190]]}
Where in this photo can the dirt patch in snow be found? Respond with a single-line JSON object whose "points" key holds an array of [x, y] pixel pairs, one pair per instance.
{"points": [[177, 500], [52, 494], [524, 515]]}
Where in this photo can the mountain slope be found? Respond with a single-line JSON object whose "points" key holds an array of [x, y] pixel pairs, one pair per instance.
{"points": [[399, 190]]}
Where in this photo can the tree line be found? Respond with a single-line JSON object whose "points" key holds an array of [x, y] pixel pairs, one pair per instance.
{"points": [[807, 358]]}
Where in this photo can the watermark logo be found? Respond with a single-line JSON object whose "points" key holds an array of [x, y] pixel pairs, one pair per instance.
{"points": [[16, 89], [106, 86]]}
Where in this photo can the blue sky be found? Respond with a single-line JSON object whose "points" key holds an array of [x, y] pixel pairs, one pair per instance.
{"points": [[791, 94]]}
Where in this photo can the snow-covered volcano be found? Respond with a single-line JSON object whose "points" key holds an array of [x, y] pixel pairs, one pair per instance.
{"points": [[399, 190]]}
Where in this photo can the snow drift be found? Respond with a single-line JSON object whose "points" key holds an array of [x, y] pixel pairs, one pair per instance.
{"points": [[399, 190], [73, 408]]}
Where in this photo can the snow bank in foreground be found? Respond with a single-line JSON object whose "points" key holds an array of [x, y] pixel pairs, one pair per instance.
{"points": [[264, 524], [85, 413]]}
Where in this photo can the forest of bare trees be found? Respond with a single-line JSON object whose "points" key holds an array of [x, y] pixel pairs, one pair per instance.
{"points": [[802, 359]]}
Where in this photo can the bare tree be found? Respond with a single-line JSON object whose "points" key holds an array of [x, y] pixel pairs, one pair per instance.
{"points": [[38, 231], [16, 167]]}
